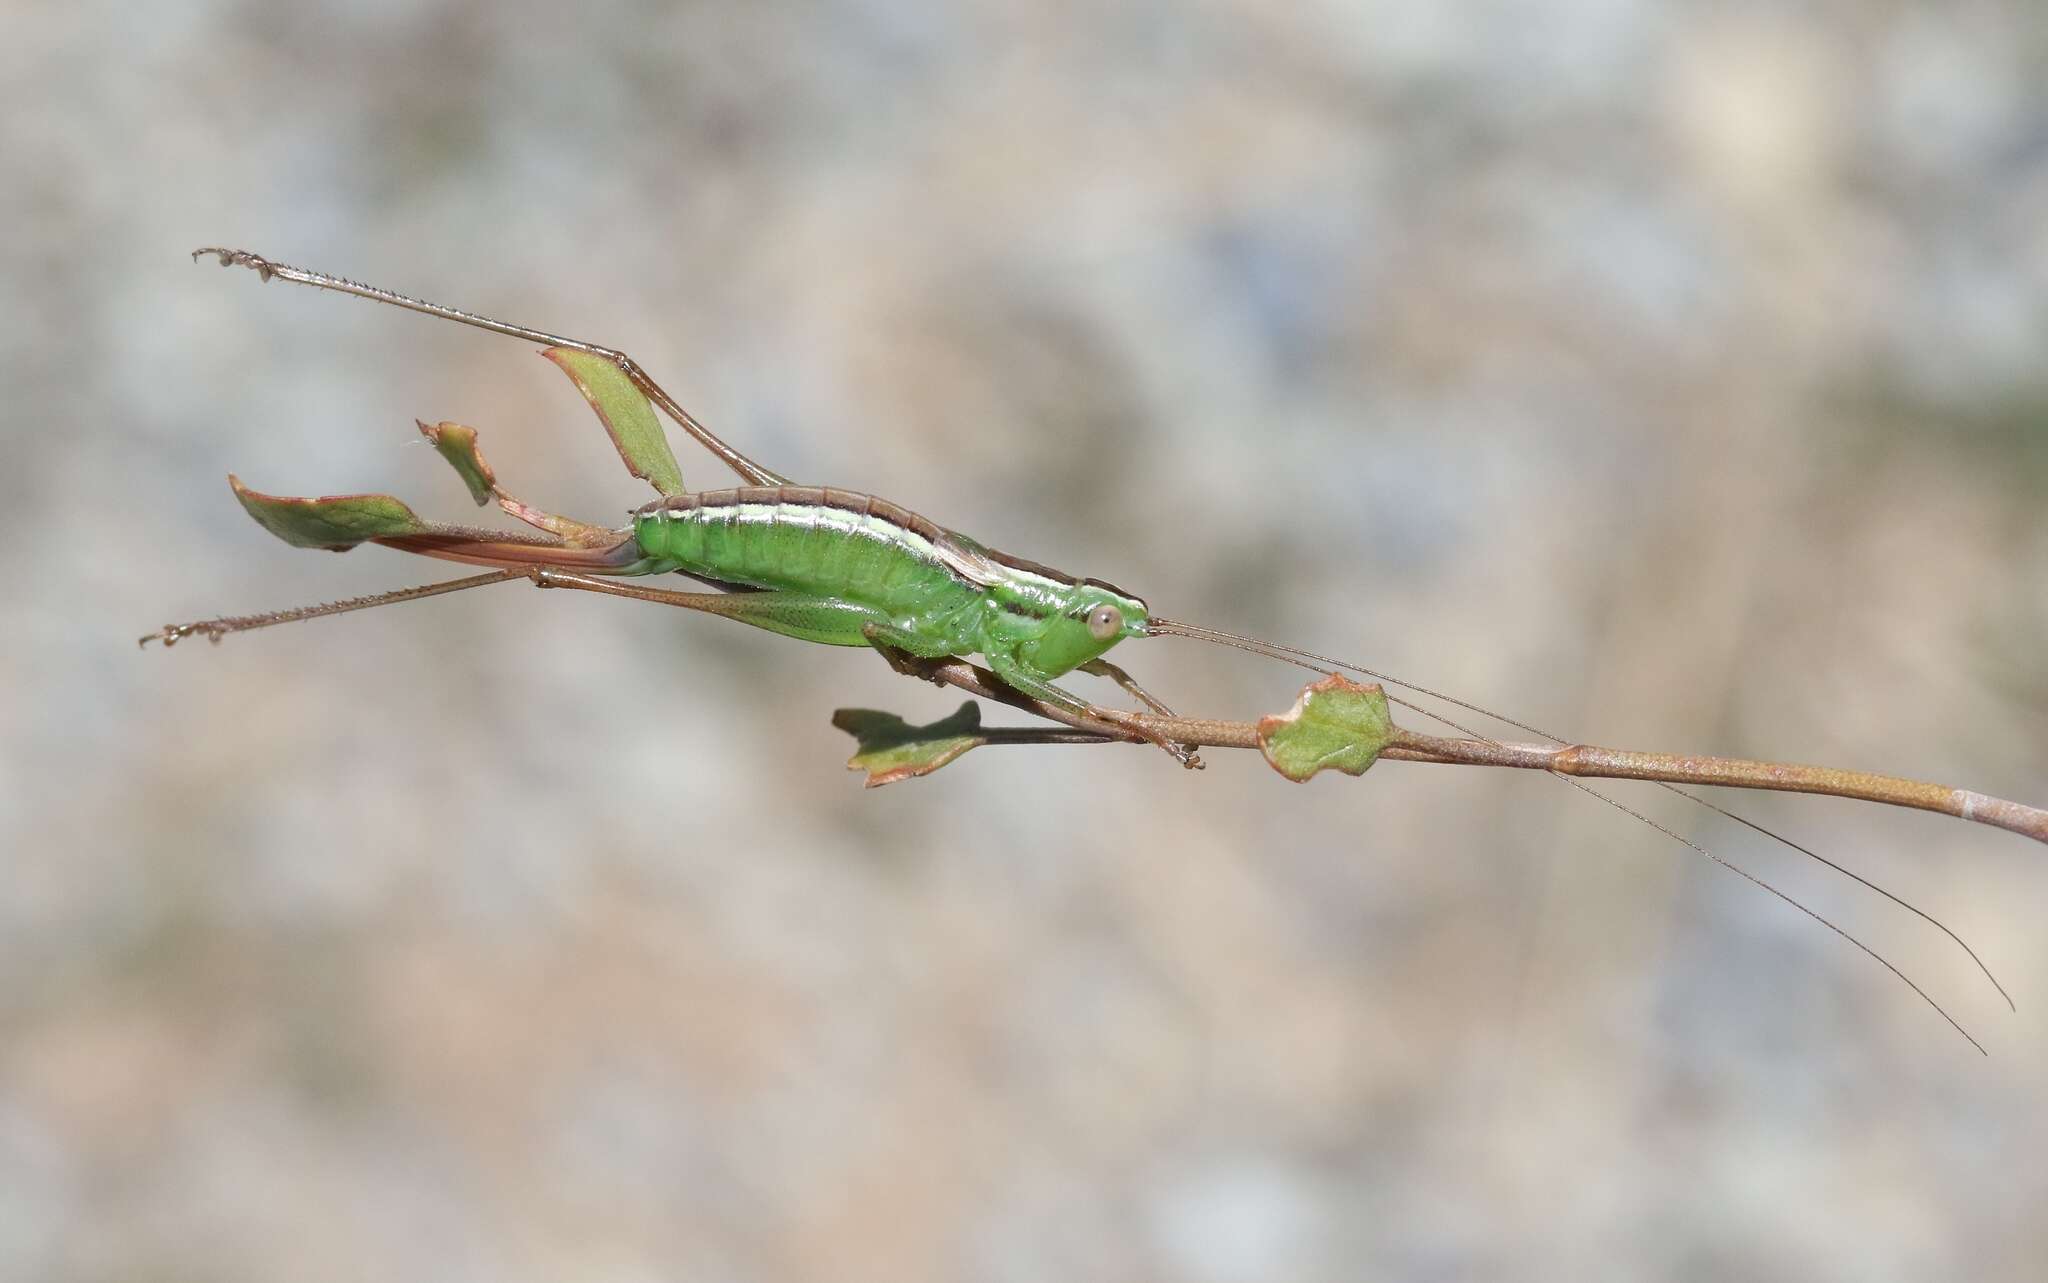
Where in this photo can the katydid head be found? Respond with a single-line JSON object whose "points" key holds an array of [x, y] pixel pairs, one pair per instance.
{"points": [[1094, 617]]}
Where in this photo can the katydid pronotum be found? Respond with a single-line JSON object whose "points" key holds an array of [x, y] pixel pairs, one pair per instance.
{"points": [[847, 569]]}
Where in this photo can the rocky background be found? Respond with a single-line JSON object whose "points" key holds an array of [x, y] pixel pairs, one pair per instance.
{"points": [[1670, 373]]}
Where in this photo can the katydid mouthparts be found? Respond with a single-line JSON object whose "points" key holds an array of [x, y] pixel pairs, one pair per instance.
{"points": [[841, 568]]}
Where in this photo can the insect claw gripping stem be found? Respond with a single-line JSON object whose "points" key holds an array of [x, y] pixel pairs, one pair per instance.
{"points": [[1135, 724]]}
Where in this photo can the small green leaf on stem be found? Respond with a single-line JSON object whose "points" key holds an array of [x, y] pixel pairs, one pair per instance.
{"points": [[1337, 724], [891, 749], [338, 522], [457, 444], [626, 415]]}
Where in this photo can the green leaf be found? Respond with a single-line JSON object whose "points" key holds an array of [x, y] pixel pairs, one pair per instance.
{"points": [[891, 749], [626, 414], [1337, 724], [457, 444], [334, 521]]}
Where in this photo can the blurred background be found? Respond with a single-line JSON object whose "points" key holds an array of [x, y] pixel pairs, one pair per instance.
{"points": [[1669, 373]]}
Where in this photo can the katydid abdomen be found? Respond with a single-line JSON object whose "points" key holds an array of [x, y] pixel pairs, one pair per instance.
{"points": [[818, 542], [850, 569]]}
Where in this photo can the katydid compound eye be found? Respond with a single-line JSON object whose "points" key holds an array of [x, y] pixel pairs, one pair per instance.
{"points": [[1105, 622]]}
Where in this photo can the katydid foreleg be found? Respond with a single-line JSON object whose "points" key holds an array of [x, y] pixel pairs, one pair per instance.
{"points": [[1103, 668]]}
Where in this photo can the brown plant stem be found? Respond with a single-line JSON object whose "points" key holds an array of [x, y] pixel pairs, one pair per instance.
{"points": [[1583, 760]]}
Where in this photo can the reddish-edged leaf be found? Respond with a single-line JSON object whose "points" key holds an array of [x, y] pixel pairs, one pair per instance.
{"points": [[626, 414], [457, 444], [333, 521], [1336, 724], [891, 749]]}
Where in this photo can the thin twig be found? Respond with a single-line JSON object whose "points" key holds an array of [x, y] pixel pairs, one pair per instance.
{"points": [[1584, 760]]}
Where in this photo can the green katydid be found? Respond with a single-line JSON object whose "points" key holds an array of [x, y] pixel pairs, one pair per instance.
{"points": [[847, 569]]}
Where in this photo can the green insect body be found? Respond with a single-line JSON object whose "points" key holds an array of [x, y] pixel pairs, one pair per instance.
{"points": [[850, 569], [817, 564]]}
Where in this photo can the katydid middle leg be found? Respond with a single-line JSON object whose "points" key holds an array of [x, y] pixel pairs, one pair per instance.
{"points": [[1017, 677], [906, 652]]}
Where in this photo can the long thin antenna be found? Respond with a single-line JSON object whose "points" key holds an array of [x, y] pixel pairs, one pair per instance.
{"points": [[1294, 655], [1301, 659]]}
